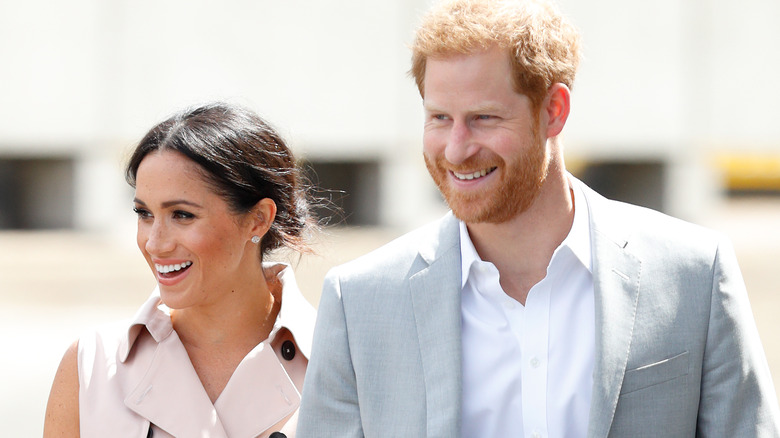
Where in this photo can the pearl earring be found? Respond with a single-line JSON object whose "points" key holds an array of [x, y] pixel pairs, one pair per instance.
{"points": [[255, 239]]}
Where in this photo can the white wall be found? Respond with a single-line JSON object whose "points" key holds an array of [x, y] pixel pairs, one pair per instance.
{"points": [[670, 79]]}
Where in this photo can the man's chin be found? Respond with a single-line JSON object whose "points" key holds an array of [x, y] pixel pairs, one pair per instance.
{"points": [[471, 215]]}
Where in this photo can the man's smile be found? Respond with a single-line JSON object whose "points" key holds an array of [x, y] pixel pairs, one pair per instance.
{"points": [[473, 175]]}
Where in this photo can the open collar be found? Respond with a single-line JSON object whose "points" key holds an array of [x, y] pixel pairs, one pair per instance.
{"points": [[168, 393], [577, 240], [296, 314]]}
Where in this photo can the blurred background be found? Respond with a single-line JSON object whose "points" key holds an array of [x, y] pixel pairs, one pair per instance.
{"points": [[675, 107]]}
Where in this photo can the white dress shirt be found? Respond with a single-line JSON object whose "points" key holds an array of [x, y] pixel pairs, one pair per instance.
{"points": [[528, 370]]}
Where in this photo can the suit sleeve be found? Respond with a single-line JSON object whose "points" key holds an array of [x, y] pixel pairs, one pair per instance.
{"points": [[329, 406], [737, 394]]}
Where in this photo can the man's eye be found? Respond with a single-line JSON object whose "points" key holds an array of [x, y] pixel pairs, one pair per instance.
{"points": [[440, 117], [484, 117]]}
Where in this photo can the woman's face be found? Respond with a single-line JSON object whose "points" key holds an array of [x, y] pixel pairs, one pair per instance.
{"points": [[196, 247]]}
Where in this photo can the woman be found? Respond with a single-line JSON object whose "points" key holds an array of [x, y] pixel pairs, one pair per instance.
{"points": [[221, 346]]}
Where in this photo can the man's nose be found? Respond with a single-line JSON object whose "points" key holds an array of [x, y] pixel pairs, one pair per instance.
{"points": [[460, 143]]}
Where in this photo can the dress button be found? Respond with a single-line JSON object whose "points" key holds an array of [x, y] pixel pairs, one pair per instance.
{"points": [[288, 350]]}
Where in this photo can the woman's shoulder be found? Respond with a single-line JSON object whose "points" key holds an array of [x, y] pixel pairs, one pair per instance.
{"points": [[62, 413]]}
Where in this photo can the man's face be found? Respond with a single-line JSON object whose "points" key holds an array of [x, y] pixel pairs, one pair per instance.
{"points": [[481, 140]]}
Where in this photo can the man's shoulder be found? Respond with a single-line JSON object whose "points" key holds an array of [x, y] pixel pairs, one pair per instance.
{"points": [[404, 251], [628, 223]]}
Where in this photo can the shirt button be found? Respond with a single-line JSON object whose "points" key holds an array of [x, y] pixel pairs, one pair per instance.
{"points": [[535, 362], [509, 303], [536, 435]]}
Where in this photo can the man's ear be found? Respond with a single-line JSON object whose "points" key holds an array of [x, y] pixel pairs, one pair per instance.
{"points": [[556, 107], [262, 216]]}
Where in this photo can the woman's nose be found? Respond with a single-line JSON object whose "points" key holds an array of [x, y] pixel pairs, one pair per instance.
{"points": [[158, 239]]}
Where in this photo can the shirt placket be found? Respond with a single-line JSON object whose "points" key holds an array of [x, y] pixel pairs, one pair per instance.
{"points": [[534, 345]]}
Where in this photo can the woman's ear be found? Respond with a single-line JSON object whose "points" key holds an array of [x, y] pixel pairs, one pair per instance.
{"points": [[556, 108], [262, 216]]}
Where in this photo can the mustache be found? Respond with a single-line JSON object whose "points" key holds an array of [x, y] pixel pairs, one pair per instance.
{"points": [[471, 164]]}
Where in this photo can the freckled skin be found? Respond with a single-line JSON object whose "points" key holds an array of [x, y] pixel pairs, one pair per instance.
{"points": [[200, 229]]}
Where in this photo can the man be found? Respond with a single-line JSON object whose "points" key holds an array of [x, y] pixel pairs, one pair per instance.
{"points": [[537, 308]]}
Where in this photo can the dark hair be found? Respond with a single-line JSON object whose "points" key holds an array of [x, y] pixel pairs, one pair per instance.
{"points": [[243, 159]]}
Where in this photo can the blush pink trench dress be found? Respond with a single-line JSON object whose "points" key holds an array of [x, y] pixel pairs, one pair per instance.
{"points": [[138, 381]]}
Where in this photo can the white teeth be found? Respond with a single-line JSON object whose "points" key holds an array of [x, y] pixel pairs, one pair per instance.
{"points": [[164, 269], [470, 176]]}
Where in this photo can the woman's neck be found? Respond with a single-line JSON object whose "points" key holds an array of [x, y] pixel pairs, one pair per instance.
{"points": [[240, 318]]}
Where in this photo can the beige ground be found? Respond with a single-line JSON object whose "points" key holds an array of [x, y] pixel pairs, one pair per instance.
{"points": [[55, 284]]}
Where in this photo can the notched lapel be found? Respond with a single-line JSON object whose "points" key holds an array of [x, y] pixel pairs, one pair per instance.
{"points": [[616, 280], [435, 298]]}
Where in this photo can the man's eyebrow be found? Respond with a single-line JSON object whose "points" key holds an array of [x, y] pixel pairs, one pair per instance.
{"points": [[431, 108], [488, 107]]}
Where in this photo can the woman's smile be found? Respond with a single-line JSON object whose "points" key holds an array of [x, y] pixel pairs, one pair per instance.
{"points": [[188, 232], [172, 273]]}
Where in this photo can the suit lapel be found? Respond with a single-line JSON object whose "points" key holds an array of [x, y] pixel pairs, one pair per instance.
{"points": [[435, 291], [616, 276]]}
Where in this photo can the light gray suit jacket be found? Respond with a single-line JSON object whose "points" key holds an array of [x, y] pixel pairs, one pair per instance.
{"points": [[677, 351]]}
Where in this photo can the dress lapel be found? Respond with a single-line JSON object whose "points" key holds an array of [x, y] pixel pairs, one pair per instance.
{"points": [[260, 376], [435, 297], [172, 397], [616, 276]]}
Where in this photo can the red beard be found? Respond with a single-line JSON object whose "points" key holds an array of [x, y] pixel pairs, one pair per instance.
{"points": [[519, 184]]}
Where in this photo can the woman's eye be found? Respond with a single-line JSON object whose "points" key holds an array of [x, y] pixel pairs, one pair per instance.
{"points": [[142, 213], [179, 214]]}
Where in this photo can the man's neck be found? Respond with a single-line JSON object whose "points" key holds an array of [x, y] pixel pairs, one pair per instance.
{"points": [[522, 247]]}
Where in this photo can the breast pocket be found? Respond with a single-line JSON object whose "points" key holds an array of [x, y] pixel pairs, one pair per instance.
{"points": [[655, 373]]}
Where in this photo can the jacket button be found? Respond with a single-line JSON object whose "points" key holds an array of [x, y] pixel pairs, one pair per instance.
{"points": [[288, 351], [277, 434]]}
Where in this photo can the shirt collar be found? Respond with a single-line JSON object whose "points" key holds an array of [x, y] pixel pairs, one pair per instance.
{"points": [[468, 254], [578, 239], [295, 314]]}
